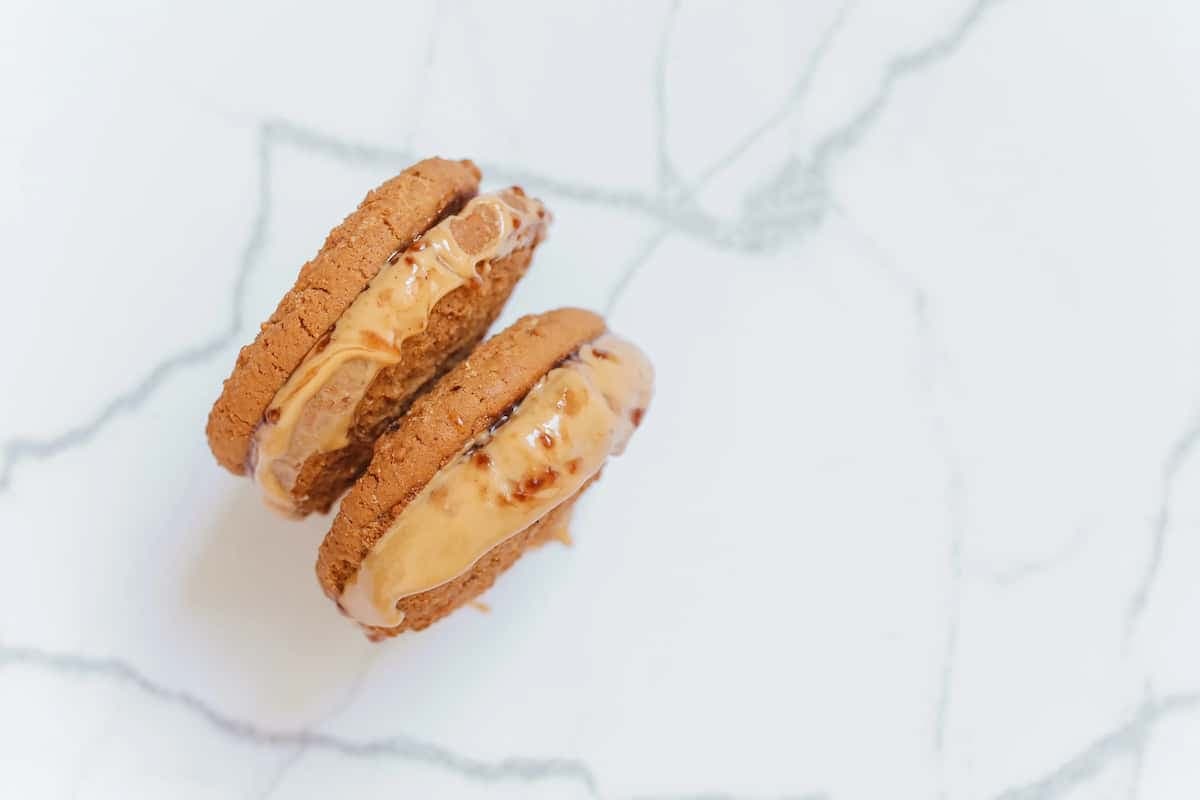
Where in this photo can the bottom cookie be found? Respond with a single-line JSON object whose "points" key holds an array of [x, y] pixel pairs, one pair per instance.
{"points": [[424, 609], [484, 466]]}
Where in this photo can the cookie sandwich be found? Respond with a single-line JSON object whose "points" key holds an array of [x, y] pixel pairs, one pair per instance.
{"points": [[401, 291], [483, 467]]}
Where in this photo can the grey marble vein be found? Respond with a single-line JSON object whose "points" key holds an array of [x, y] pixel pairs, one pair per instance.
{"points": [[630, 200], [1126, 740], [791, 104], [21, 449], [668, 177], [417, 110], [933, 362], [670, 187], [280, 772], [1022, 571], [1135, 777], [782, 209], [1178, 456], [633, 266], [848, 135], [800, 191], [804, 185], [749, 229], [398, 748], [296, 743], [271, 134], [956, 512], [300, 750]]}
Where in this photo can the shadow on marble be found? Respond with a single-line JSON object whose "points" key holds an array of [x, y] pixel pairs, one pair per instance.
{"points": [[260, 615]]}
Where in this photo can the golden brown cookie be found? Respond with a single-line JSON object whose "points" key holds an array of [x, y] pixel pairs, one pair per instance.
{"points": [[401, 290], [485, 465]]}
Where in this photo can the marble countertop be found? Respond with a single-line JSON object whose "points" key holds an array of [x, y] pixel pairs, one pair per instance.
{"points": [[914, 513]]}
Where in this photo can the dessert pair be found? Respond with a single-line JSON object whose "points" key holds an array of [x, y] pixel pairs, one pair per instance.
{"points": [[369, 376]]}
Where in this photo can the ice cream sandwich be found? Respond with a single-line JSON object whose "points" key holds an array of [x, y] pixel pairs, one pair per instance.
{"points": [[483, 467], [401, 291]]}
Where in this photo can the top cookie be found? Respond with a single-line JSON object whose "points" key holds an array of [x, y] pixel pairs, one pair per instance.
{"points": [[391, 218]]}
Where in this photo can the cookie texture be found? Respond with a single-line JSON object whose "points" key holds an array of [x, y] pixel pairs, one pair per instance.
{"points": [[456, 325], [423, 609], [463, 404], [389, 219]]}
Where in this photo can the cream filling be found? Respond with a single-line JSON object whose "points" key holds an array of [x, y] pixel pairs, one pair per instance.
{"points": [[552, 443], [312, 412]]}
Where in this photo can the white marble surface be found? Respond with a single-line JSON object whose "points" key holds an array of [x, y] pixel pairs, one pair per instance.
{"points": [[915, 512]]}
